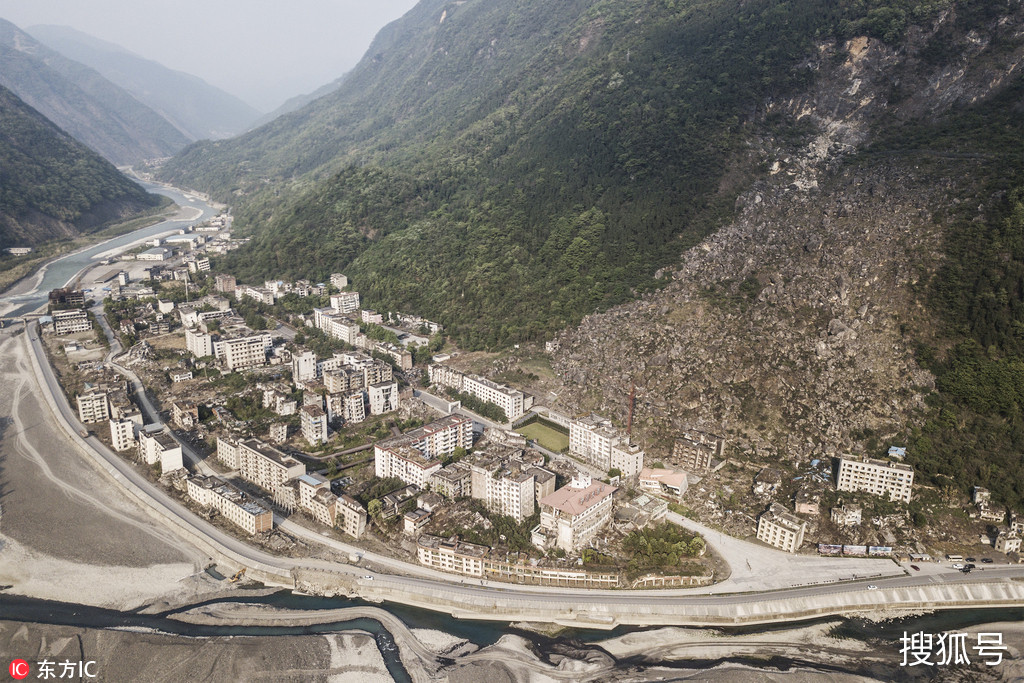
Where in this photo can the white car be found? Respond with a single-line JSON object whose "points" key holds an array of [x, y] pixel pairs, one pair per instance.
{"points": [[368, 577], [958, 566], [872, 587]]}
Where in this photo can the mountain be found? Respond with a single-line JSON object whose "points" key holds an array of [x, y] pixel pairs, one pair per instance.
{"points": [[196, 108], [299, 101], [82, 102], [536, 161], [797, 225], [51, 185]]}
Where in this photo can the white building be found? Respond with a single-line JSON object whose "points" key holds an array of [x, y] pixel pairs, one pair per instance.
{"points": [[878, 477], [351, 516], [93, 407], [227, 452], [71, 321], [338, 280], [345, 302], [596, 440], [383, 397], [451, 555], [304, 366], [348, 407], [231, 503], [243, 352], [122, 434], [198, 343], [161, 448], [573, 514], [510, 400], [264, 465], [778, 527], [314, 424]]}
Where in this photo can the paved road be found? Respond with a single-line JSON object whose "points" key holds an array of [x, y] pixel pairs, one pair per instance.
{"points": [[674, 604]]}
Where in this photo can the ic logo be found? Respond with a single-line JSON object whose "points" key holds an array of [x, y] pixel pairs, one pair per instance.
{"points": [[19, 669]]}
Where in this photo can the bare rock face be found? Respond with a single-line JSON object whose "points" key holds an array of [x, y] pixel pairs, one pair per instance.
{"points": [[791, 350], [791, 329]]}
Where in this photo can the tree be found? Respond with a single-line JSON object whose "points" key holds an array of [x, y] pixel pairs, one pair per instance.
{"points": [[614, 472], [374, 508]]}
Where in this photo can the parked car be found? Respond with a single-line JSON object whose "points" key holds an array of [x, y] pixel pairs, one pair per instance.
{"points": [[872, 587], [987, 560], [971, 559], [915, 567], [958, 566]]}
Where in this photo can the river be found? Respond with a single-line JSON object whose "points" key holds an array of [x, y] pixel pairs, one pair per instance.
{"points": [[61, 271]]}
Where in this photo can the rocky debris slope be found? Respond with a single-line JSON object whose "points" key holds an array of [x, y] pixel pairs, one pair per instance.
{"points": [[784, 329], [791, 329]]}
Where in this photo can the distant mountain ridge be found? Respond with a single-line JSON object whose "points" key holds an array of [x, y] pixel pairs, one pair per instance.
{"points": [[198, 109], [51, 185], [82, 102]]}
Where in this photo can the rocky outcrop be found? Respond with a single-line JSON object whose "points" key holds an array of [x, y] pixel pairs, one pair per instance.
{"points": [[792, 328]]}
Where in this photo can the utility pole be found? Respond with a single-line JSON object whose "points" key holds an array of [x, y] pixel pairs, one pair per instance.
{"points": [[632, 405]]}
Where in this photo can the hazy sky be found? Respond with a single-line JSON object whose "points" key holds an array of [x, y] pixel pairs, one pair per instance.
{"points": [[263, 51]]}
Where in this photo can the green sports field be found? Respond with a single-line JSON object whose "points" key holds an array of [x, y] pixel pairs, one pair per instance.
{"points": [[549, 438]]}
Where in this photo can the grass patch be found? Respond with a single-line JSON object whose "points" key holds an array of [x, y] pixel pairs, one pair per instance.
{"points": [[549, 438]]}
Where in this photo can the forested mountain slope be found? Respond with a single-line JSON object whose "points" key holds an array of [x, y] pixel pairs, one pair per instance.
{"points": [[82, 102], [198, 109], [52, 186]]}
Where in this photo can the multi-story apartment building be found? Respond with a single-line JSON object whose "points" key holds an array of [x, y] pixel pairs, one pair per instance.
{"points": [[451, 555], [231, 503], [304, 366], [314, 424], [453, 481], [93, 407], [695, 450], [878, 477], [243, 352], [345, 302], [71, 321], [339, 280], [198, 343], [510, 400], [371, 317], [279, 432], [351, 516], [596, 440], [225, 283], [227, 452], [778, 527], [408, 464], [510, 492], [573, 514], [260, 294], [264, 465], [383, 397], [122, 434], [413, 456], [161, 448]]}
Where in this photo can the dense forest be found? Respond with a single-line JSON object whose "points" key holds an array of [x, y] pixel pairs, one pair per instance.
{"points": [[53, 186], [507, 167]]}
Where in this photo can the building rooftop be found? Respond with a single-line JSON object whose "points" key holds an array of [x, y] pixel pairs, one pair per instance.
{"points": [[269, 452], [879, 463], [576, 501], [672, 478], [783, 517], [453, 544], [314, 480]]}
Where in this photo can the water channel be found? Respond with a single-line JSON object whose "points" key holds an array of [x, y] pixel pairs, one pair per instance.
{"points": [[61, 271]]}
